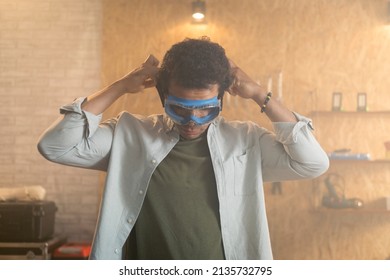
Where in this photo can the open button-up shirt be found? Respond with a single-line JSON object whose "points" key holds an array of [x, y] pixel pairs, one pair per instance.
{"points": [[129, 147]]}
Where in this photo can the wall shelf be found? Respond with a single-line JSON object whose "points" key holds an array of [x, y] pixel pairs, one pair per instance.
{"points": [[359, 131], [370, 113], [357, 161], [352, 211]]}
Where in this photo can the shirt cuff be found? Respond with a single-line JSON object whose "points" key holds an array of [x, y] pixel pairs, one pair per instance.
{"points": [[287, 132], [74, 109]]}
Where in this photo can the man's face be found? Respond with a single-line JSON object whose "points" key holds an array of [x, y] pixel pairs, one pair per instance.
{"points": [[191, 130]]}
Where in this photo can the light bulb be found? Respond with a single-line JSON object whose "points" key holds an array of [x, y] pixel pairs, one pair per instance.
{"points": [[198, 16]]}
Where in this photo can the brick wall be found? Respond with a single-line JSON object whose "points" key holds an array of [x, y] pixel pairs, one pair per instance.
{"points": [[49, 54]]}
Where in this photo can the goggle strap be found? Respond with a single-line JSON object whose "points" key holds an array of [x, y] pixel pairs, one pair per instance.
{"points": [[193, 104]]}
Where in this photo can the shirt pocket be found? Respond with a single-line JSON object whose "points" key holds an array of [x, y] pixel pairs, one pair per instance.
{"points": [[247, 170]]}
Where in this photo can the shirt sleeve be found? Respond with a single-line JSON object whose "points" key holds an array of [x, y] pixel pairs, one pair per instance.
{"points": [[295, 152], [92, 120], [78, 138]]}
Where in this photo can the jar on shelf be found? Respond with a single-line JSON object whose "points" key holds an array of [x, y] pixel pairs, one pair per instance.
{"points": [[387, 147]]}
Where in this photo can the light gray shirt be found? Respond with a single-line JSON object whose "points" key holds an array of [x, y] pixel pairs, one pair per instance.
{"points": [[129, 147]]}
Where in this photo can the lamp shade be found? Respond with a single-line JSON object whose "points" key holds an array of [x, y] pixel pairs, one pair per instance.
{"points": [[198, 10]]}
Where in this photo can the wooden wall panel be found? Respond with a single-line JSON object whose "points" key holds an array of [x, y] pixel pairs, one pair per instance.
{"points": [[320, 46]]}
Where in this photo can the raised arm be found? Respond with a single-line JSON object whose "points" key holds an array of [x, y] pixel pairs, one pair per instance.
{"points": [[78, 138], [134, 82], [293, 152], [245, 87]]}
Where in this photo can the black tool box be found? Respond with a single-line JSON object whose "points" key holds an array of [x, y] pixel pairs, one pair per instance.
{"points": [[31, 250], [30, 221]]}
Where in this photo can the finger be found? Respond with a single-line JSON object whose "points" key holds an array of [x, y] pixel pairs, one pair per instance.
{"points": [[232, 64], [148, 83], [232, 91], [147, 71], [152, 60], [149, 74], [236, 82], [152, 73]]}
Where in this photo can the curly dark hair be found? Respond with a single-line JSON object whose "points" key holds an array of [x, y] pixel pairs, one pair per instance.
{"points": [[194, 64]]}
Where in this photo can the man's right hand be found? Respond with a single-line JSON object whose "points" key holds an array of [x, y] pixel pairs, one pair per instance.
{"points": [[136, 81], [140, 78]]}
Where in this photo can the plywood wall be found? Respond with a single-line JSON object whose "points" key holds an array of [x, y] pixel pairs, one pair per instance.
{"points": [[320, 47]]}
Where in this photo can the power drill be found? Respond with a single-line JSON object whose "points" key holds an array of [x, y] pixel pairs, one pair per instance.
{"points": [[333, 200]]}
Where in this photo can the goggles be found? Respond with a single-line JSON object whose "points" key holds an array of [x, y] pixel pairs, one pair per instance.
{"points": [[182, 111]]}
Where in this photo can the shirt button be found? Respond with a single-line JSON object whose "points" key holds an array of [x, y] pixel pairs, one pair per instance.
{"points": [[154, 161], [116, 251], [130, 221], [141, 192]]}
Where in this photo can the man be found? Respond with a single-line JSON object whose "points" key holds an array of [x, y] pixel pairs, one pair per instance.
{"points": [[186, 184]]}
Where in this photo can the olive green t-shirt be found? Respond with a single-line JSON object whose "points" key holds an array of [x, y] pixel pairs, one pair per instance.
{"points": [[180, 218]]}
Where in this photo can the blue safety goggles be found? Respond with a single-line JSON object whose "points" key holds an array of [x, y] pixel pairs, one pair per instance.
{"points": [[182, 111]]}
